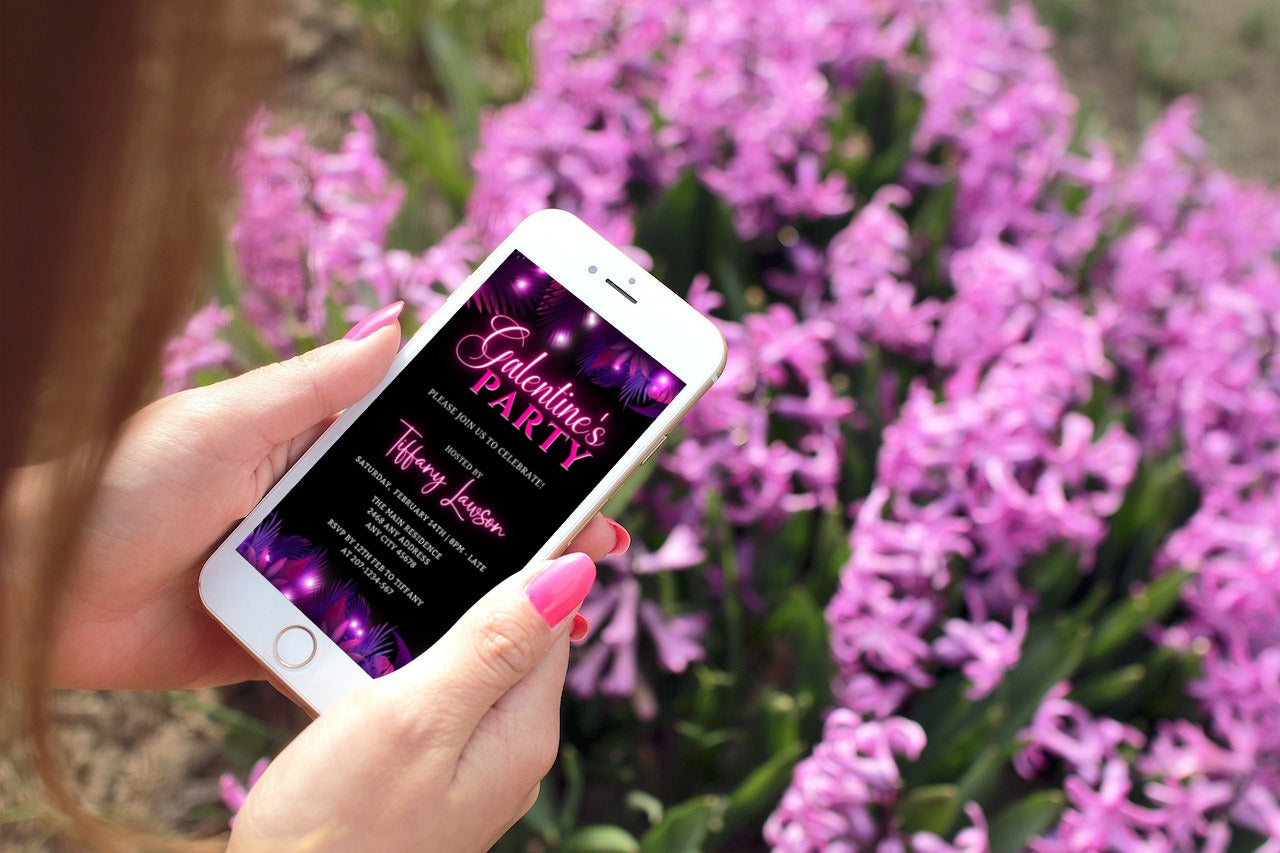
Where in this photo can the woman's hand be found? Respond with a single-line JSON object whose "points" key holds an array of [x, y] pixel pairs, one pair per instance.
{"points": [[443, 754], [186, 470]]}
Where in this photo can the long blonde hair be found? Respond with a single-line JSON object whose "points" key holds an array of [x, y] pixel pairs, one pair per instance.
{"points": [[118, 122]]}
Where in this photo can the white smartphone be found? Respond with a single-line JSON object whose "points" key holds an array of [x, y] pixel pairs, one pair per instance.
{"points": [[503, 425]]}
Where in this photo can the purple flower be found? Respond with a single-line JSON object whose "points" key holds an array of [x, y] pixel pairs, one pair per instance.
{"points": [[1064, 729], [987, 650], [777, 372], [998, 295], [609, 664], [993, 96], [311, 226], [972, 839], [1101, 817], [841, 795], [871, 298], [233, 793], [197, 349]]}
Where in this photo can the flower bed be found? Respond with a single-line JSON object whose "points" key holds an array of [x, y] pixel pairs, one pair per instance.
{"points": [[978, 538]]}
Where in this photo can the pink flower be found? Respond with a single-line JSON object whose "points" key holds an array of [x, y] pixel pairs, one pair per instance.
{"points": [[987, 650], [233, 793], [609, 663], [841, 795], [972, 839], [1066, 730], [197, 349]]}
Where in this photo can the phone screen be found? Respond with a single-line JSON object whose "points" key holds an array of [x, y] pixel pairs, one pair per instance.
{"points": [[460, 470]]}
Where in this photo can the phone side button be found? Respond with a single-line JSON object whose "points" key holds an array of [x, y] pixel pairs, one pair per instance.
{"points": [[653, 450], [295, 647]]}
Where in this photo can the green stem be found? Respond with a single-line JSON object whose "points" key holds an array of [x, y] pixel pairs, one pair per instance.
{"points": [[733, 618]]}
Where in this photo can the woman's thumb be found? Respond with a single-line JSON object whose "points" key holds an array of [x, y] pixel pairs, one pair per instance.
{"points": [[290, 397]]}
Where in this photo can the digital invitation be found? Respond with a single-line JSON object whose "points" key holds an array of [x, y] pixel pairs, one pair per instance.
{"points": [[464, 466]]}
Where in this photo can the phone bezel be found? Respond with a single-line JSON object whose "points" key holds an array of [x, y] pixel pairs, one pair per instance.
{"points": [[660, 322]]}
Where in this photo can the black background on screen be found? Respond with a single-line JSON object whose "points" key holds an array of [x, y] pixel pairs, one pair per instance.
{"points": [[338, 488]]}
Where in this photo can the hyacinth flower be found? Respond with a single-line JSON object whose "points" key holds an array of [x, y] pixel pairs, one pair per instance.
{"points": [[1064, 729], [198, 349], [609, 665], [972, 839], [233, 793], [842, 794], [1007, 365], [985, 651]]}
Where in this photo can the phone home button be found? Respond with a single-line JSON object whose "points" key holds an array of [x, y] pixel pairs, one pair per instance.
{"points": [[295, 647]]}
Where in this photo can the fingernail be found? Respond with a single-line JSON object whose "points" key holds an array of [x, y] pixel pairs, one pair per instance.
{"points": [[621, 538], [581, 627], [560, 588], [384, 316]]}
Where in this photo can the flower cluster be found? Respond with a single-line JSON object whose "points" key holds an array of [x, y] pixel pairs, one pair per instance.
{"points": [[1190, 785], [198, 349], [329, 211], [616, 608], [844, 793], [1018, 328], [311, 255]]}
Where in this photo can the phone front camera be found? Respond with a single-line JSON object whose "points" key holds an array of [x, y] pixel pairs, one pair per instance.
{"points": [[592, 269]]}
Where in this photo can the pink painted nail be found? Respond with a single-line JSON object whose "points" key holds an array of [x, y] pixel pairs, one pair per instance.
{"points": [[581, 627], [384, 316], [621, 538], [560, 588]]}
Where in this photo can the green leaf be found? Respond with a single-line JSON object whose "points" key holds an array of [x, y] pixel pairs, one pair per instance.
{"points": [[932, 219], [1019, 823], [797, 627], [979, 782], [1245, 840], [201, 378], [601, 838], [752, 800], [335, 319], [1050, 655], [226, 286], [451, 65], [683, 829], [647, 804], [782, 714], [431, 142], [571, 767], [704, 739], [250, 349], [542, 817], [244, 736], [930, 808], [1126, 619], [671, 229], [1054, 577], [1110, 687]]}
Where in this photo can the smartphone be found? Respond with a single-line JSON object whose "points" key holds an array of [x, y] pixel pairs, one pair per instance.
{"points": [[502, 426]]}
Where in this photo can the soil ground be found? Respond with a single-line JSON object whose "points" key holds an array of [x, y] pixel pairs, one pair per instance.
{"points": [[1126, 59]]}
